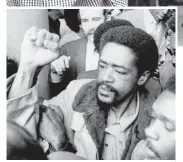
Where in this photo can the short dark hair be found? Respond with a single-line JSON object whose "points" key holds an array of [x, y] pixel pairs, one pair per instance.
{"points": [[143, 45], [71, 19], [104, 27]]}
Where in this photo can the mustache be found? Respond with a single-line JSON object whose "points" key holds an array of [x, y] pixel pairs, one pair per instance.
{"points": [[109, 87], [91, 32]]}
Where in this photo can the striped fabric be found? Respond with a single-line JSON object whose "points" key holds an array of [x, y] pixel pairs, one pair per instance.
{"points": [[87, 3], [40, 3], [119, 3], [113, 3], [65, 3]]}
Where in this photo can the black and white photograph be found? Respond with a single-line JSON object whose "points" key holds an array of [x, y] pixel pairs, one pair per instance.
{"points": [[91, 83]]}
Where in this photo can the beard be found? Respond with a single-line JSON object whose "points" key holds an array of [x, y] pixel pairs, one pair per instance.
{"points": [[109, 96]]}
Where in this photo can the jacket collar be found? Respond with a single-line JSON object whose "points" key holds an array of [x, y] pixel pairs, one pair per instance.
{"points": [[95, 116]]}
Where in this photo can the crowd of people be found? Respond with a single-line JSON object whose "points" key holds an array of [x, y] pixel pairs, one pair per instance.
{"points": [[112, 89], [114, 3]]}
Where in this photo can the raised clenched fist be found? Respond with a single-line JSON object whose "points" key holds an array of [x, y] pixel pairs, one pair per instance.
{"points": [[39, 47]]}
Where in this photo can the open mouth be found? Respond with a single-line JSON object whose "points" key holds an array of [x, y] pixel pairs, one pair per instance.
{"points": [[104, 91]]}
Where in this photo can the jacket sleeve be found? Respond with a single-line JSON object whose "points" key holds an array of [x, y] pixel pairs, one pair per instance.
{"points": [[21, 110], [24, 110]]}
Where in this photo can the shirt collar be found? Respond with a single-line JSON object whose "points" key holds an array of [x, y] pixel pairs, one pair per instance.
{"points": [[125, 120]]}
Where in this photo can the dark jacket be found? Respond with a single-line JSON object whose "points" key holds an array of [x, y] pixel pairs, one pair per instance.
{"points": [[95, 117]]}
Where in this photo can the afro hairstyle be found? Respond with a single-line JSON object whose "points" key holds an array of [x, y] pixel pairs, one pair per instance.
{"points": [[104, 27], [141, 43]]}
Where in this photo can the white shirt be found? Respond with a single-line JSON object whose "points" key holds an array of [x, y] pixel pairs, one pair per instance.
{"points": [[92, 57], [117, 132]]}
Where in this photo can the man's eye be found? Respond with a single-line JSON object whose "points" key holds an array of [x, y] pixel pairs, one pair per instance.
{"points": [[96, 19], [84, 20], [101, 65], [121, 72]]}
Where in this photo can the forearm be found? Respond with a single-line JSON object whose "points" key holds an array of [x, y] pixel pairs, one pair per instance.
{"points": [[22, 82]]}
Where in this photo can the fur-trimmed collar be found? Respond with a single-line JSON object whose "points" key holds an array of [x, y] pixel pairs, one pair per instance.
{"points": [[95, 116]]}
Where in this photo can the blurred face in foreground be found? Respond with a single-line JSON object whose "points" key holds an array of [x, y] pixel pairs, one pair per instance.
{"points": [[160, 141]]}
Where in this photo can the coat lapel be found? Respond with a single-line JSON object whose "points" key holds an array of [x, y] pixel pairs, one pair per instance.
{"points": [[81, 55], [95, 114]]}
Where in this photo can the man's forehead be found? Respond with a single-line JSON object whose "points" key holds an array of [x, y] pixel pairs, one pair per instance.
{"points": [[165, 105]]}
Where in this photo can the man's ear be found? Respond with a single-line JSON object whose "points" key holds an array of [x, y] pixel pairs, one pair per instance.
{"points": [[143, 78]]}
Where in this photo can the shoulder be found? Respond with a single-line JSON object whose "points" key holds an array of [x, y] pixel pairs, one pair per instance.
{"points": [[74, 47], [88, 74], [75, 43], [75, 85]]}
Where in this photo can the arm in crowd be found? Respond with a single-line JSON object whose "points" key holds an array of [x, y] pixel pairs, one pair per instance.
{"points": [[39, 48], [59, 75]]}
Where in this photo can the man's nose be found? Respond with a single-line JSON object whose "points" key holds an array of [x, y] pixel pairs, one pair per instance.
{"points": [[109, 75], [91, 25]]}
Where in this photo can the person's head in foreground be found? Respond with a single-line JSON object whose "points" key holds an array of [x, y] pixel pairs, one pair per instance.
{"points": [[21, 145], [91, 19], [128, 56], [160, 134]]}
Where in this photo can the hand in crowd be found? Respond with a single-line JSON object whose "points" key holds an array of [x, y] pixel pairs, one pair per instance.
{"points": [[52, 127], [39, 47], [60, 65]]}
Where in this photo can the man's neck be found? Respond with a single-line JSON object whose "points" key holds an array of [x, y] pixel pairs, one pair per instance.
{"points": [[129, 105], [81, 33]]}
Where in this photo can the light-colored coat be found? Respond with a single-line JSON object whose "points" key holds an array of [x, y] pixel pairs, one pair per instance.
{"points": [[85, 127], [22, 110]]}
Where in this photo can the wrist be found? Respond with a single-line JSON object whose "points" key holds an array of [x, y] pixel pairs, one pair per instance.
{"points": [[26, 73], [27, 68], [55, 78]]}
